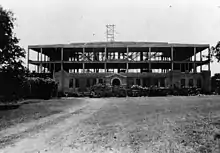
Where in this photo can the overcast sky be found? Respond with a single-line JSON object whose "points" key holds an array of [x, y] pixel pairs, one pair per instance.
{"points": [[66, 21]]}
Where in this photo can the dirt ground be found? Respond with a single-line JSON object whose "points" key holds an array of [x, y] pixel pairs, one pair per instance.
{"points": [[141, 124]]}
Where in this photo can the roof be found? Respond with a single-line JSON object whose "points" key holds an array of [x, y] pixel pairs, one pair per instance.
{"points": [[118, 44]]}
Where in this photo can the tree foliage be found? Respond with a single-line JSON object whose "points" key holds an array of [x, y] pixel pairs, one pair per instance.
{"points": [[11, 53], [216, 51]]}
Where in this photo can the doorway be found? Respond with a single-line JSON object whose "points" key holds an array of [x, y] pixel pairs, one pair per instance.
{"points": [[116, 82]]}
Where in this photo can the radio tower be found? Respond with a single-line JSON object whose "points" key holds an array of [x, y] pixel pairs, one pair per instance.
{"points": [[110, 32]]}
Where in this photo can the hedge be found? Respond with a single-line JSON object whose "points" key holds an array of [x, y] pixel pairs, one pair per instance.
{"points": [[12, 88], [36, 87]]}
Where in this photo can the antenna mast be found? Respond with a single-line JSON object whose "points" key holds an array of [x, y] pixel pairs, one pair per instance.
{"points": [[110, 32]]}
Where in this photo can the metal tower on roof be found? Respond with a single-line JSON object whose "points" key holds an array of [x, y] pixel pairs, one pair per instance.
{"points": [[110, 32]]}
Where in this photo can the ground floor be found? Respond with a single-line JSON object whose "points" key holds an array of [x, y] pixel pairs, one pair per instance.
{"points": [[81, 82]]}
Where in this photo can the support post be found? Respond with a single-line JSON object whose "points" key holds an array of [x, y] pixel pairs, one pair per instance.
{"points": [[62, 59], [201, 61], [28, 55], [41, 50], [45, 63], [149, 59], [141, 56], [83, 59], [106, 55], [158, 83], [54, 70], [127, 50], [194, 63], [171, 58], [209, 59], [106, 58], [141, 82], [38, 61]]}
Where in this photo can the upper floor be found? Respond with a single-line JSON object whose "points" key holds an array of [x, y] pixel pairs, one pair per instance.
{"points": [[118, 52]]}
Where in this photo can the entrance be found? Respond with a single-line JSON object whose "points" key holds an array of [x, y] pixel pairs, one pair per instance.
{"points": [[116, 82]]}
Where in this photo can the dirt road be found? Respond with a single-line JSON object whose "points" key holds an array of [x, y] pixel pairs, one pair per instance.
{"points": [[51, 134], [139, 125]]}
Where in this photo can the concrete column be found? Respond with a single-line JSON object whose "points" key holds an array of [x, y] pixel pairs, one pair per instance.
{"points": [[141, 82], [149, 59], [127, 68], [45, 58], [127, 60], [44, 61], [106, 54], [209, 60], [194, 64], [49, 69], [171, 58], [127, 52], [83, 67], [201, 61], [54, 68], [38, 61], [61, 58], [186, 81], [83, 60], [105, 67], [158, 82], [134, 81], [28, 55], [106, 58], [41, 50]]}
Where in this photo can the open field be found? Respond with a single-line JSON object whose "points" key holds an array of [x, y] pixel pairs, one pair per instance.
{"points": [[33, 110], [142, 124]]}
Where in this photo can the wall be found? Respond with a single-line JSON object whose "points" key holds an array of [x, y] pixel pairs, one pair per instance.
{"points": [[171, 79]]}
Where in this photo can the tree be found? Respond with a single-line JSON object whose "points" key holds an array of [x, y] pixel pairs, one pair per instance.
{"points": [[216, 51], [11, 53], [12, 72]]}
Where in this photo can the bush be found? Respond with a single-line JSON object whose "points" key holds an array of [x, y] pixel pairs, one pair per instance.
{"points": [[10, 86], [35, 87]]}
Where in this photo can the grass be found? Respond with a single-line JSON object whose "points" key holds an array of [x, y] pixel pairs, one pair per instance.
{"points": [[33, 110], [172, 124]]}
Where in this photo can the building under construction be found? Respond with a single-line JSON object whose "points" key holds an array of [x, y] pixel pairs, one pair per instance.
{"points": [[78, 66]]}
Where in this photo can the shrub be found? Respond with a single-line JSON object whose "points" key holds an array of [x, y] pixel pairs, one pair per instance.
{"points": [[35, 87]]}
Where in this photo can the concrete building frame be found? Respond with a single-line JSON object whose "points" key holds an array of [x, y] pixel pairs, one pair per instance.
{"points": [[144, 63]]}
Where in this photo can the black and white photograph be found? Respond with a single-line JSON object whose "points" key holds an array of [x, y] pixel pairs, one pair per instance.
{"points": [[109, 76]]}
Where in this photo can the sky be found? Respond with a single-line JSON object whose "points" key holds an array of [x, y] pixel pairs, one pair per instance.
{"points": [[68, 21]]}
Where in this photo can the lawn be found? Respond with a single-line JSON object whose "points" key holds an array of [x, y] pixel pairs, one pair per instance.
{"points": [[156, 124], [35, 109]]}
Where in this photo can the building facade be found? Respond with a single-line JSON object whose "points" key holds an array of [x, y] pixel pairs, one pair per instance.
{"points": [[78, 66]]}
